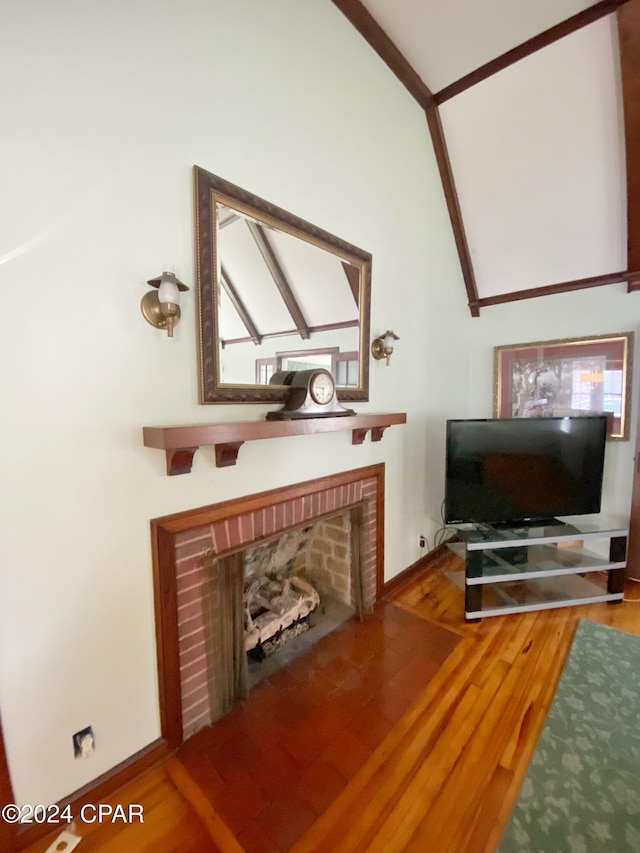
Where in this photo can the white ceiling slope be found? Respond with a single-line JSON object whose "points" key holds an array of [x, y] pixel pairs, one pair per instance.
{"points": [[537, 150], [445, 39]]}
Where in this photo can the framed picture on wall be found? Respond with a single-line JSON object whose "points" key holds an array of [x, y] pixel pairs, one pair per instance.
{"points": [[582, 376]]}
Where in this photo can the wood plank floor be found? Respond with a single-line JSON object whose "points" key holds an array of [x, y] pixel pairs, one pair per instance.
{"points": [[170, 825], [448, 774], [445, 776]]}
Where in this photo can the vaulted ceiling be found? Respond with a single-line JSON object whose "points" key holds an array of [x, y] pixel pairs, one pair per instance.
{"points": [[534, 113]]}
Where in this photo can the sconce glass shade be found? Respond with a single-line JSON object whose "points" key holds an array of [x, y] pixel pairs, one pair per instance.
{"points": [[388, 343], [161, 308], [382, 347], [168, 291]]}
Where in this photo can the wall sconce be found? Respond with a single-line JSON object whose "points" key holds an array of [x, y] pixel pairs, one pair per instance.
{"points": [[382, 347], [160, 307]]}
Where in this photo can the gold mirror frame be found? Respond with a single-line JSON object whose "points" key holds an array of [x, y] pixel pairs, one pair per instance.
{"points": [[211, 191]]}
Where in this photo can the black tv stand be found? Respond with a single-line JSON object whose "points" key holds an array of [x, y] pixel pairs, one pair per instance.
{"points": [[521, 525]]}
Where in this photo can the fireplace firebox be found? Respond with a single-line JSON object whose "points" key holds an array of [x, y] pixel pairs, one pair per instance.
{"points": [[185, 600]]}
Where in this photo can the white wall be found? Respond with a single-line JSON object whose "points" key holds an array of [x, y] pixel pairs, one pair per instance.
{"points": [[109, 108]]}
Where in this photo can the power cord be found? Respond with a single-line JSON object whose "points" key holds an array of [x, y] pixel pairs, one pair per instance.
{"points": [[633, 600], [438, 538]]}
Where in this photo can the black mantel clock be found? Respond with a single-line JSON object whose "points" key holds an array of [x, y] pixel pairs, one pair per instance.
{"points": [[312, 395]]}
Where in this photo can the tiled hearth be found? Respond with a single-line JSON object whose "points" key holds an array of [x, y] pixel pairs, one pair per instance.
{"points": [[280, 757]]}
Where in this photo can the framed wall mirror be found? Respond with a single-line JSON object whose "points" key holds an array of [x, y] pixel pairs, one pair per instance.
{"points": [[275, 293]]}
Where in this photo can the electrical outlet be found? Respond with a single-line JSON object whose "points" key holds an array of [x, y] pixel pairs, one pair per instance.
{"points": [[423, 542], [66, 841], [83, 743]]}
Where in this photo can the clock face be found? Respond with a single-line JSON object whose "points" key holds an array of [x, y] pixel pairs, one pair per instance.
{"points": [[322, 388]]}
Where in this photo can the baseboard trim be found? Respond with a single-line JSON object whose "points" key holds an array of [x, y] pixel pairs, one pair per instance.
{"points": [[393, 586], [99, 790]]}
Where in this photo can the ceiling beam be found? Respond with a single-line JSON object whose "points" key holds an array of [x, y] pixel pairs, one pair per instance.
{"points": [[240, 307], [544, 39], [453, 205], [553, 289], [226, 216], [277, 273], [629, 35], [353, 278], [373, 33], [283, 333]]}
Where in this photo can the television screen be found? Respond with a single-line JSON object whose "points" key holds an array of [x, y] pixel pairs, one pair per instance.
{"points": [[523, 470]]}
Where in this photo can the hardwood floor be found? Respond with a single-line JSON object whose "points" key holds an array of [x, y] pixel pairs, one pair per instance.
{"points": [[445, 775], [170, 823], [449, 772]]}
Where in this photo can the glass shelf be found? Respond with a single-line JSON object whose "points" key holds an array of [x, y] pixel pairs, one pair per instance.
{"points": [[482, 536], [520, 596], [542, 561], [535, 568]]}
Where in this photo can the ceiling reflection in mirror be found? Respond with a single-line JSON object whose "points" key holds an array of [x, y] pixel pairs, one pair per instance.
{"points": [[276, 293]]}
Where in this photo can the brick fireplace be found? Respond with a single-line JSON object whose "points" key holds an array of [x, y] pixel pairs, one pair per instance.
{"points": [[181, 598]]}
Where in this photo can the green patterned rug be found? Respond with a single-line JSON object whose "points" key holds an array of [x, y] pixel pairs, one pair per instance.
{"points": [[581, 793]]}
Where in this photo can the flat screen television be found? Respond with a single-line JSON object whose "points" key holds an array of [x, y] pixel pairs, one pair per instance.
{"points": [[518, 471]]}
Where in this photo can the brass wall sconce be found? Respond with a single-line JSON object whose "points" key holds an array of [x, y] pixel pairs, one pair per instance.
{"points": [[161, 307], [382, 347]]}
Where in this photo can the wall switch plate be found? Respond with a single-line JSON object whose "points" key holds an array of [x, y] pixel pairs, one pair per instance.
{"points": [[64, 843]]}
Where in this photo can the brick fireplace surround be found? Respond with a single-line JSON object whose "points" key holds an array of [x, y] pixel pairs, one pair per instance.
{"points": [[179, 542]]}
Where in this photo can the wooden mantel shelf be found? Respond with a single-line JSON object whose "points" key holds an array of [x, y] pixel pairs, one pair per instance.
{"points": [[181, 442]]}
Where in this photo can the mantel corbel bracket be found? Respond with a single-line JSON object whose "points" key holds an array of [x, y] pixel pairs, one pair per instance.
{"points": [[358, 435], [180, 460], [227, 454]]}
